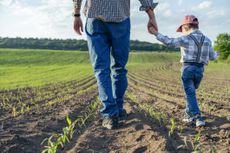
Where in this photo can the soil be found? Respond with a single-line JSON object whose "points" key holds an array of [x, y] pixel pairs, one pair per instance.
{"points": [[24, 134], [138, 133]]}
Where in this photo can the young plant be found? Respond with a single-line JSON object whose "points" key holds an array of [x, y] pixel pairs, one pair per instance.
{"points": [[51, 146], [196, 142], [14, 112], [173, 126], [67, 132]]}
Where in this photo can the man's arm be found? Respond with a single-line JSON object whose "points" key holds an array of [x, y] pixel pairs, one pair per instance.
{"points": [[77, 6], [78, 25], [152, 20], [148, 6]]}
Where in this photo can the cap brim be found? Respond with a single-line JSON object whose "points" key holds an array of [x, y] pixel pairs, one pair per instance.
{"points": [[179, 29]]}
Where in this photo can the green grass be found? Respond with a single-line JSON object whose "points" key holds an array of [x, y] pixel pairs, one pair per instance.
{"points": [[156, 57], [16, 77], [28, 67], [31, 57], [228, 60], [22, 68]]}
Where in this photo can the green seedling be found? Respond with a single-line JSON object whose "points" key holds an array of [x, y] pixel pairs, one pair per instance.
{"points": [[51, 146], [173, 126], [67, 132], [196, 142], [14, 112]]}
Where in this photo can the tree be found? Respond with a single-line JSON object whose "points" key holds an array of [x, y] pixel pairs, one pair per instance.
{"points": [[222, 45], [72, 44]]}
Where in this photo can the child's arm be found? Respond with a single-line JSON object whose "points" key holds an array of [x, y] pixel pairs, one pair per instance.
{"points": [[172, 42], [212, 54]]}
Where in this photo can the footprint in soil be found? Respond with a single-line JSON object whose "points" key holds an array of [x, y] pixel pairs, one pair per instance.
{"points": [[16, 144], [140, 149], [139, 126], [140, 138], [1, 127], [19, 140]]}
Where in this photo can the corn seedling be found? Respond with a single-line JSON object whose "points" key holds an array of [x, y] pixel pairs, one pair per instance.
{"points": [[14, 112], [67, 132], [196, 142], [160, 117], [51, 146], [94, 105], [23, 109], [173, 126]]}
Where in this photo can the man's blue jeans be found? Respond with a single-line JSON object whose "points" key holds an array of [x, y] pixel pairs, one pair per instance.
{"points": [[108, 44], [191, 78]]}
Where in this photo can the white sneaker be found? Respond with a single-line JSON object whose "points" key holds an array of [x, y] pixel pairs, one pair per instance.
{"points": [[197, 119], [187, 118], [200, 122]]}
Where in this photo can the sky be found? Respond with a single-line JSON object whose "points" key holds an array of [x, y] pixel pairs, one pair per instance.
{"points": [[53, 18]]}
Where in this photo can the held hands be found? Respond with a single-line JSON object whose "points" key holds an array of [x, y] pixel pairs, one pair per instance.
{"points": [[152, 30], [78, 25], [152, 24]]}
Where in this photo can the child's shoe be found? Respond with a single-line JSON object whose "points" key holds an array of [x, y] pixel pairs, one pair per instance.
{"points": [[200, 122], [188, 118], [196, 119]]}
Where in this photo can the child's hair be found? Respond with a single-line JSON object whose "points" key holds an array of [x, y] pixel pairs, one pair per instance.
{"points": [[193, 26]]}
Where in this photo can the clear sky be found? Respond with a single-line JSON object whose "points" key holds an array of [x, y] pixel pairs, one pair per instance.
{"points": [[53, 18]]}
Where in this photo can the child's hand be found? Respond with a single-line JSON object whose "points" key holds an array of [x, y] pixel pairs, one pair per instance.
{"points": [[216, 55], [153, 31]]}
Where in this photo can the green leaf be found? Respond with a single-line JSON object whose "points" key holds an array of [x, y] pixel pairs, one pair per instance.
{"points": [[68, 120]]}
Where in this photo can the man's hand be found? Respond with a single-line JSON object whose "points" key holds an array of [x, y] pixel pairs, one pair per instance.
{"points": [[152, 26], [152, 30], [78, 25], [152, 21]]}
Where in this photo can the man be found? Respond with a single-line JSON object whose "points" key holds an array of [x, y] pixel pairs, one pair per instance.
{"points": [[108, 34]]}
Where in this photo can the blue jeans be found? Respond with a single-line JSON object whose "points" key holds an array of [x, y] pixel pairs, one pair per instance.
{"points": [[108, 44], [191, 78]]}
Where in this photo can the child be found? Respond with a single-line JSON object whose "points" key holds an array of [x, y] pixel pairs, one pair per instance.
{"points": [[196, 51]]}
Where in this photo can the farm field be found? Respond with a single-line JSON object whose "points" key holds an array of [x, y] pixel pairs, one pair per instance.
{"points": [[39, 88]]}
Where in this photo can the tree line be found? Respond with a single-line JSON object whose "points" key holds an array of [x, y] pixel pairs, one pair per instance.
{"points": [[222, 45], [72, 44]]}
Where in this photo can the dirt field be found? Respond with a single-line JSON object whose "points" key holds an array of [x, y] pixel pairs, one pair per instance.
{"points": [[155, 103]]}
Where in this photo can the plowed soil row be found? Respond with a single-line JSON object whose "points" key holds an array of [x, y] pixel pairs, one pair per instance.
{"points": [[24, 133], [215, 135]]}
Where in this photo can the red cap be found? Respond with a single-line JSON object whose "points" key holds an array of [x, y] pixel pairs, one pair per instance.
{"points": [[188, 19]]}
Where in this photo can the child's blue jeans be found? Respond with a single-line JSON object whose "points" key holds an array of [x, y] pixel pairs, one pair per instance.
{"points": [[191, 78], [108, 44]]}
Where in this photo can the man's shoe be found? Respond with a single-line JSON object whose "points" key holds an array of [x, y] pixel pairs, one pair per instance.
{"points": [[110, 123], [123, 114]]}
